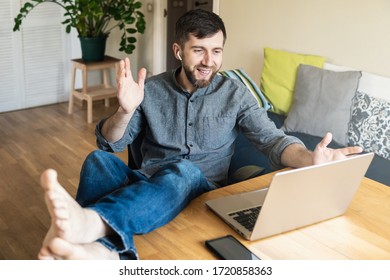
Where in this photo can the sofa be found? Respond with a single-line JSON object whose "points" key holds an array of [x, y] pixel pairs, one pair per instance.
{"points": [[306, 96]]}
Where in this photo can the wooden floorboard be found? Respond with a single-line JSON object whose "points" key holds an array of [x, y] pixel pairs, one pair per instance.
{"points": [[33, 140]]}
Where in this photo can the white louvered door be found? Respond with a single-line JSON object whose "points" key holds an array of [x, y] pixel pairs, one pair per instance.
{"points": [[34, 62], [10, 87]]}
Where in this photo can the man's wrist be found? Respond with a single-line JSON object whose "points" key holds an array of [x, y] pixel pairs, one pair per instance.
{"points": [[297, 155], [115, 126]]}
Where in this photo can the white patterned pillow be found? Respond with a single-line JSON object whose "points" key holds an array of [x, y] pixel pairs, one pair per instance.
{"points": [[369, 126]]}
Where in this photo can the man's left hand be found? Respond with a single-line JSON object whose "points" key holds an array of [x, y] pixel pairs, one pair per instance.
{"points": [[323, 154]]}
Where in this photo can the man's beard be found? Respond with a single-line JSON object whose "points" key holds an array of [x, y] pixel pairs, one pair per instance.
{"points": [[199, 83]]}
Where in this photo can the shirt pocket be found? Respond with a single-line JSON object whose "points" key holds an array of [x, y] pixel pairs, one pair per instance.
{"points": [[217, 132]]}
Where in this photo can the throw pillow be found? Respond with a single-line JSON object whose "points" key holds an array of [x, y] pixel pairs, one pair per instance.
{"points": [[322, 102], [369, 127], [239, 74], [279, 75]]}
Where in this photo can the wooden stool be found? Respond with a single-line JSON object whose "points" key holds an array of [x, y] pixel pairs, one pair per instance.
{"points": [[92, 93]]}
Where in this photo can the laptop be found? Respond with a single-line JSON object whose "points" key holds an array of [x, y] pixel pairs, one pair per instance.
{"points": [[294, 199]]}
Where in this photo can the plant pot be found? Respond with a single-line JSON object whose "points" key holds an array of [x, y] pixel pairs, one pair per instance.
{"points": [[93, 48]]}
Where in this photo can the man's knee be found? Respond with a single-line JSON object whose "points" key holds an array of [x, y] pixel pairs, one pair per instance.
{"points": [[185, 168], [96, 155], [184, 173], [98, 160], [99, 157]]}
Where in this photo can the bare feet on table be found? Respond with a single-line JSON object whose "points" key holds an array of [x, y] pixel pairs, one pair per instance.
{"points": [[73, 230]]}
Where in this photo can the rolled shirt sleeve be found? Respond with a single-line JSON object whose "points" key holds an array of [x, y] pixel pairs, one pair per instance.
{"points": [[132, 130], [262, 132]]}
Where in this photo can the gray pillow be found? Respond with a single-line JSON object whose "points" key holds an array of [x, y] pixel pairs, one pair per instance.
{"points": [[322, 102]]}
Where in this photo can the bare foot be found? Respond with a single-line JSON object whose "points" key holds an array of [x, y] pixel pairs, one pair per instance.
{"points": [[69, 221], [61, 249]]}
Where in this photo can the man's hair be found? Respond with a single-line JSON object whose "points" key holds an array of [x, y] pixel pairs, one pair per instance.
{"points": [[199, 23]]}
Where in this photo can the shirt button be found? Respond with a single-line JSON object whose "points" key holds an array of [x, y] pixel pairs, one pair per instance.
{"points": [[191, 145], [191, 100], [186, 157], [190, 124]]}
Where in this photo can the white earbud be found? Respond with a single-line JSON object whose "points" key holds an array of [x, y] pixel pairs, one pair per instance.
{"points": [[178, 54]]}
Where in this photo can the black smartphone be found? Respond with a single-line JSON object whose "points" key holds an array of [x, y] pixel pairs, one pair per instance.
{"points": [[229, 248]]}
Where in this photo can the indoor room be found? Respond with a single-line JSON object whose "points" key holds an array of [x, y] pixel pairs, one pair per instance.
{"points": [[313, 66]]}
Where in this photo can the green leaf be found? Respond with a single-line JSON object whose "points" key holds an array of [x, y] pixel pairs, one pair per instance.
{"points": [[131, 30], [28, 5], [131, 40], [140, 27], [130, 20], [129, 49], [140, 14], [137, 5]]}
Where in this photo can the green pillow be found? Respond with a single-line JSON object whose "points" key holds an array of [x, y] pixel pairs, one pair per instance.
{"points": [[279, 75], [239, 74]]}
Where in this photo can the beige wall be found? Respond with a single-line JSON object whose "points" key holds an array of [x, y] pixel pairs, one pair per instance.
{"points": [[353, 33]]}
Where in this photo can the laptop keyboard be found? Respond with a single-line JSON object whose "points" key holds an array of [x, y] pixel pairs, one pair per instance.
{"points": [[247, 217]]}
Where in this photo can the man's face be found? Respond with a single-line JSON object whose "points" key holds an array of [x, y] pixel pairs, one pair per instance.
{"points": [[202, 59]]}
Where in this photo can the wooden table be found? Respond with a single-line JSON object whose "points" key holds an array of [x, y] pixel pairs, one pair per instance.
{"points": [[362, 233]]}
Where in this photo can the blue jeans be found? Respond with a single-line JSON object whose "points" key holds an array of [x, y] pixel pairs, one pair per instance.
{"points": [[131, 203]]}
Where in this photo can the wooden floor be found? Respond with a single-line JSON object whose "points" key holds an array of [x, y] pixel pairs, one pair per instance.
{"points": [[33, 140]]}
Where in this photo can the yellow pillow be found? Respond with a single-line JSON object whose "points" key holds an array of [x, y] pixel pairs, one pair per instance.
{"points": [[279, 75]]}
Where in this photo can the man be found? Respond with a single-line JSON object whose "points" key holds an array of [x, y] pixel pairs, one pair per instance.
{"points": [[190, 118]]}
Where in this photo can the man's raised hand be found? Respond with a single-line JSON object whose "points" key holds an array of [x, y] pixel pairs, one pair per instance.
{"points": [[130, 93]]}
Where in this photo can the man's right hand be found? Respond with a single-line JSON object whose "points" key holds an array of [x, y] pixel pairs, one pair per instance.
{"points": [[130, 93]]}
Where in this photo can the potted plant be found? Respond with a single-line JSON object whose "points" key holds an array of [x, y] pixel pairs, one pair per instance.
{"points": [[94, 20]]}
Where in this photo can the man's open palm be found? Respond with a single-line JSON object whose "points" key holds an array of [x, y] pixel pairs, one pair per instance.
{"points": [[324, 154], [130, 93]]}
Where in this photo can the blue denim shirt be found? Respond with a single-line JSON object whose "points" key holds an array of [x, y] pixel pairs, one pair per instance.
{"points": [[200, 127]]}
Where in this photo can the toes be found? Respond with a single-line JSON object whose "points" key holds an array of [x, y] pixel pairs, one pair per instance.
{"points": [[60, 209], [61, 227], [45, 254], [48, 178], [62, 249]]}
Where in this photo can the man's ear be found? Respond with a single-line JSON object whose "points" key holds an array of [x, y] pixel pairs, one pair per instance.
{"points": [[177, 51]]}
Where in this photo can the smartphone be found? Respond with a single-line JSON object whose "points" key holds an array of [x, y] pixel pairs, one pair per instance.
{"points": [[229, 248]]}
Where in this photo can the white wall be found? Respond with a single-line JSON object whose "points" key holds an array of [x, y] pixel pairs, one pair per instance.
{"points": [[347, 32], [354, 33]]}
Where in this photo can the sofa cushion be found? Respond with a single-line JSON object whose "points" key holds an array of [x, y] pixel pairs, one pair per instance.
{"points": [[279, 75], [240, 75], [322, 102], [379, 170], [370, 124]]}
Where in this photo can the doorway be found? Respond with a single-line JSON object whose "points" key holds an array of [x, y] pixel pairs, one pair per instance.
{"points": [[175, 9]]}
